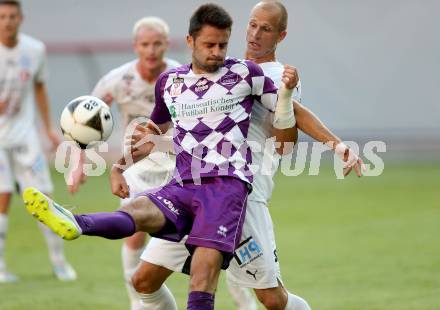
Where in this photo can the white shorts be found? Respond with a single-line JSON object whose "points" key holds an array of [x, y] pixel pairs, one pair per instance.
{"points": [[152, 172], [255, 263], [24, 164]]}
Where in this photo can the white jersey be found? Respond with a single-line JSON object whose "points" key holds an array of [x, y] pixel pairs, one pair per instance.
{"points": [[20, 67], [133, 95], [135, 98], [259, 131]]}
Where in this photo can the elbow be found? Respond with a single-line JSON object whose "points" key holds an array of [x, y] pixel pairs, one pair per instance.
{"points": [[285, 139]]}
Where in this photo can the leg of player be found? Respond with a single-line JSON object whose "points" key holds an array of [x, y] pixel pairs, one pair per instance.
{"points": [[148, 281], [131, 251], [5, 199], [205, 271], [139, 215], [278, 298], [256, 265], [62, 269], [242, 297], [272, 298], [295, 302], [55, 245]]}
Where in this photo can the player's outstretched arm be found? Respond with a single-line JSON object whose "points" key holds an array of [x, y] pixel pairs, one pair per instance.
{"points": [[42, 100], [311, 125], [76, 175], [3, 106], [285, 138]]}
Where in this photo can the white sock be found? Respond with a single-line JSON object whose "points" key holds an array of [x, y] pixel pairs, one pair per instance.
{"points": [[55, 246], [296, 303], [3, 232], [162, 299], [242, 297], [130, 261]]}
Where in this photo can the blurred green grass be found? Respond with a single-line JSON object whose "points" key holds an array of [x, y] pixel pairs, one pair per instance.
{"points": [[368, 243]]}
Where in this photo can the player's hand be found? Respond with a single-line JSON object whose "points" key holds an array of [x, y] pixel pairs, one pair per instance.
{"points": [[53, 138], [141, 142], [76, 178], [3, 107], [350, 158], [118, 184], [290, 77]]}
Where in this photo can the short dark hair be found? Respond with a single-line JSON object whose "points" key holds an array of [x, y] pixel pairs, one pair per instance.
{"points": [[209, 14], [11, 2]]}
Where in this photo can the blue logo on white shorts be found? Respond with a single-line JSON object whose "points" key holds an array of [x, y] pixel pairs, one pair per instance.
{"points": [[247, 252]]}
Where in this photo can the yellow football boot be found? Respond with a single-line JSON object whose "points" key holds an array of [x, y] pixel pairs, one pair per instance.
{"points": [[60, 220]]}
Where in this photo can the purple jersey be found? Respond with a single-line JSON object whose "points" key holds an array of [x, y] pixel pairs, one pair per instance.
{"points": [[211, 115]]}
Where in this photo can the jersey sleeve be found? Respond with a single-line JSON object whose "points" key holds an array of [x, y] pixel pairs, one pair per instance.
{"points": [[160, 114], [263, 88], [41, 74], [105, 87]]}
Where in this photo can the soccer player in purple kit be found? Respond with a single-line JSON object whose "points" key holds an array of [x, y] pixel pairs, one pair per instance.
{"points": [[209, 103], [256, 253]]}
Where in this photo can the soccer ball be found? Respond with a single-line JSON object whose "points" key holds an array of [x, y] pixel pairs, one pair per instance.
{"points": [[86, 119]]}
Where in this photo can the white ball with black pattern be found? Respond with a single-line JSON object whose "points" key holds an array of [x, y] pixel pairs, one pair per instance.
{"points": [[86, 120]]}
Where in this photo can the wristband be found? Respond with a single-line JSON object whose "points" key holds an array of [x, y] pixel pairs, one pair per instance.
{"points": [[284, 117]]}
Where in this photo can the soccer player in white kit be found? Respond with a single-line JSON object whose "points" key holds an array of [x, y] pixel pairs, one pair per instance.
{"points": [[131, 87], [23, 74], [255, 265]]}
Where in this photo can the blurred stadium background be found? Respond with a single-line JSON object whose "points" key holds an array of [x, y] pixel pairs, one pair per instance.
{"points": [[369, 69]]}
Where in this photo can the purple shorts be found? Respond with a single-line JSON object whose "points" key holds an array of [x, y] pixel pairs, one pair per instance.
{"points": [[211, 213]]}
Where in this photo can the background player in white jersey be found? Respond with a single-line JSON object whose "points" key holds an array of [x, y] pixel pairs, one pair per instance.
{"points": [[131, 87], [23, 74], [256, 264]]}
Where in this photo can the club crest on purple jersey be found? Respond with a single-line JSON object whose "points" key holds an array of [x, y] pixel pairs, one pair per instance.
{"points": [[176, 87], [201, 87], [229, 80]]}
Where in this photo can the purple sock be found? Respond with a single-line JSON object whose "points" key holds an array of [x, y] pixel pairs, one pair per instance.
{"points": [[200, 301], [110, 225]]}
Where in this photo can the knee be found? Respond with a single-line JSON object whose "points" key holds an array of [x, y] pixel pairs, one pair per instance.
{"points": [[136, 242], [147, 217], [135, 205], [202, 276], [272, 299], [143, 283], [148, 278], [200, 281]]}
